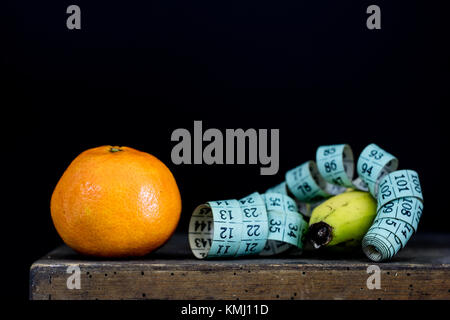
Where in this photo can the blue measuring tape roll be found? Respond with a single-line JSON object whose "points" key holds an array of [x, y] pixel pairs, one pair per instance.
{"points": [[272, 223], [332, 173], [215, 229], [400, 206], [257, 224]]}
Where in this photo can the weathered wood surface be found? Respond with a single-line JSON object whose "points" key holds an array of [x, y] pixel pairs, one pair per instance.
{"points": [[420, 271]]}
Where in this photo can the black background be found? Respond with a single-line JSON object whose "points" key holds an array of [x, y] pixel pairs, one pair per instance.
{"points": [[137, 70]]}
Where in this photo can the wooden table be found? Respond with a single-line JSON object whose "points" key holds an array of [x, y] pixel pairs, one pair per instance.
{"points": [[420, 271]]}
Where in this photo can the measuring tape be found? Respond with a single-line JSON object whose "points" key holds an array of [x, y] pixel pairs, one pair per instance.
{"points": [[287, 227], [400, 206], [399, 195], [227, 228], [333, 172], [257, 224]]}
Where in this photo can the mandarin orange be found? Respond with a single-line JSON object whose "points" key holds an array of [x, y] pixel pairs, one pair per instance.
{"points": [[116, 202]]}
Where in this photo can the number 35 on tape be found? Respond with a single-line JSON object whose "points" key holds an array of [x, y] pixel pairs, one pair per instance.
{"points": [[249, 226]]}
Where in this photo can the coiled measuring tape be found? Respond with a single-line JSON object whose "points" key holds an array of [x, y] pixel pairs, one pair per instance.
{"points": [[227, 228], [400, 201], [257, 224], [333, 172], [400, 206]]}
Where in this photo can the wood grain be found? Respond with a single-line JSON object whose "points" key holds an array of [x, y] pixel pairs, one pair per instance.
{"points": [[421, 271]]}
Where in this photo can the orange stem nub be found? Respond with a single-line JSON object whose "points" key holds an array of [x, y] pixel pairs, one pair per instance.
{"points": [[115, 149]]}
